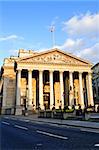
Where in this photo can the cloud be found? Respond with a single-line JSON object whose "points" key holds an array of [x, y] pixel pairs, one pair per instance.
{"points": [[13, 52], [79, 48], [54, 20], [91, 53], [72, 45], [82, 36], [10, 37], [83, 25], [43, 49]]}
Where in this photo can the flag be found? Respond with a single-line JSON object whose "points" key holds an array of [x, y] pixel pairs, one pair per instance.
{"points": [[52, 29]]}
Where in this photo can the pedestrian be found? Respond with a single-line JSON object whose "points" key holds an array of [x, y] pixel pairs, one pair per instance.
{"points": [[98, 109], [23, 110]]}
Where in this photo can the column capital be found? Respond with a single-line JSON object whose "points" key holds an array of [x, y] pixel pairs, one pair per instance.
{"points": [[71, 71], [30, 70], [80, 72], [40, 70], [52, 70], [61, 71], [19, 70], [90, 72]]}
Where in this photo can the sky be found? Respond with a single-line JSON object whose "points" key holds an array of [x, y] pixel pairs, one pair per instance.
{"points": [[26, 25]]}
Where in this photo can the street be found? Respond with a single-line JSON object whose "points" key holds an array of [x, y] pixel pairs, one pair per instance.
{"points": [[25, 135]]}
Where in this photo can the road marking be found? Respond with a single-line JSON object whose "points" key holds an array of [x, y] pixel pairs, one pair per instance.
{"points": [[5, 123], [13, 118], [6, 117], [60, 126], [53, 135], [65, 126], [56, 125], [89, 130], [39, 144], [26, 120], [39, 122], [20, 127], [96, 145]]}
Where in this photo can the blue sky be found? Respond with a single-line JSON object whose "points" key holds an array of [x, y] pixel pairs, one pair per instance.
{"points": [[26, 24]]}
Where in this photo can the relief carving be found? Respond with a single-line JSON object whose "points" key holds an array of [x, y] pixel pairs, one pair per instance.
{"points": [[55, 57]]}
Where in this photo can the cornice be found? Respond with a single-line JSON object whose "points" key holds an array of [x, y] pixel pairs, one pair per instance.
{"points": [[60, 64], [56, 50], [8, 67]]}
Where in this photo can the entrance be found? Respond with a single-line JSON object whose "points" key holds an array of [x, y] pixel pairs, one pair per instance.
{"points": [[47, 100]]}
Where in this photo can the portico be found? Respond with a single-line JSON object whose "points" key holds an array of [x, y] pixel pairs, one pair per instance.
{"points": [[52, 82]]}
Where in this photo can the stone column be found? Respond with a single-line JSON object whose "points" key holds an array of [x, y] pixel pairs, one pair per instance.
{"points": [[41, 89], [51, 90], [61, 89], [5, 82], [4, 99], [18, 91], [71, 91], [87, 89], [29, 97], [90, 97], [18, 94], [81, 94]]}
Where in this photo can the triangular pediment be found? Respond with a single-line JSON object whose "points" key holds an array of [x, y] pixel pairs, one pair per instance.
{"points": [[55, 56]]}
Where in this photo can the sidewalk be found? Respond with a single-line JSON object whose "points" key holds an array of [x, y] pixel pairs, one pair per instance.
{"points": [[72, 123]]}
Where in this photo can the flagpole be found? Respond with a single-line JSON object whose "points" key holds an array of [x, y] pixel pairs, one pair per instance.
{"points": [[52, 29], [53, 34]]}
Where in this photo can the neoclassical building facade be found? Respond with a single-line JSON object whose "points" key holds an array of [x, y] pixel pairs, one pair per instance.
{"points": [[45, 79]]}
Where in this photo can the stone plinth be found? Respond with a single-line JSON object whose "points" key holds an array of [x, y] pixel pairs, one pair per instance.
{"points": [[18, 110]]}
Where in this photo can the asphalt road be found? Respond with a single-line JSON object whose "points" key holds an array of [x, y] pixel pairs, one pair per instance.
{"points": [[26, 135]]}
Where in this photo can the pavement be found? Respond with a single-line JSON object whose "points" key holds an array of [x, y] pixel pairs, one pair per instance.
{"points": [[33, 133], [72, 123]]}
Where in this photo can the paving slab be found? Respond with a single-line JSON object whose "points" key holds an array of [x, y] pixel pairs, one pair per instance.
{"points": [[74, 123]]}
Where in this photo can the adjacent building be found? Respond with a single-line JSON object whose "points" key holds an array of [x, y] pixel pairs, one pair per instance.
{"points": [[45, 79], [95, 82]]}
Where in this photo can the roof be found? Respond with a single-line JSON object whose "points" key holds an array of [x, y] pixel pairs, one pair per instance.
{"points": [[53, 50], [95, 65]]}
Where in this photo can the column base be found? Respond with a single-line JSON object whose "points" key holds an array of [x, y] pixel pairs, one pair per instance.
{"points": [[56, 107], [30, 107], [82, 106], [30, 110], [51, 107], [91, 104], [70, 107], [62, 106], [42, 107], [18, 110], [77, 106], [7, 110]]}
